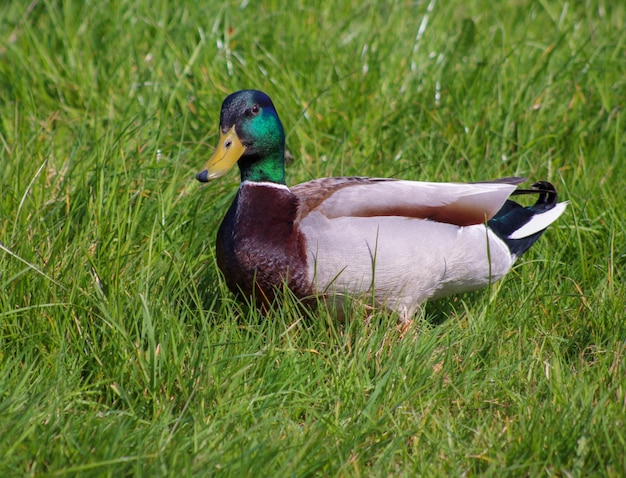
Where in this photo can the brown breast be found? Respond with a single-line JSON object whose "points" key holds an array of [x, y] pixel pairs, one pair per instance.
{"points": [[259, 247]]}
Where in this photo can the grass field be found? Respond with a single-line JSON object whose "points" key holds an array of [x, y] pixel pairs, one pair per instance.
{"points": [[123, 353]]}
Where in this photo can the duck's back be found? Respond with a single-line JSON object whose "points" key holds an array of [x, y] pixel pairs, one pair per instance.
{"points": [[403, 241]]}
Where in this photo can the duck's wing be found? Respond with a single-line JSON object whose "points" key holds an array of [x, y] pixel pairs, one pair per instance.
{"points": [[462, 204]]}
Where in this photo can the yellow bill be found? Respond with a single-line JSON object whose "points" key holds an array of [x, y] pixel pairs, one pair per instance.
{"points": [[229, 150]]}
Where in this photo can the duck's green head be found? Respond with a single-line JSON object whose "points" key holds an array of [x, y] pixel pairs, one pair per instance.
{"points": [[252, 136]]}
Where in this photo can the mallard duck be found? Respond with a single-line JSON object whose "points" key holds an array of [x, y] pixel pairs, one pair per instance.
{"points": [[400, 242]]}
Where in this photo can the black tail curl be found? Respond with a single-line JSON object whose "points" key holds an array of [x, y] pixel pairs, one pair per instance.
{"points": [[548, 196]]}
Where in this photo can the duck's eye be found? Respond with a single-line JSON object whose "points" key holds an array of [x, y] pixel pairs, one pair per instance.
{"points": [[255, 109]]}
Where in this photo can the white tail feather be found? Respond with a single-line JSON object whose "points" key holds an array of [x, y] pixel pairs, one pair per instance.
{"points": [[539, 222]]}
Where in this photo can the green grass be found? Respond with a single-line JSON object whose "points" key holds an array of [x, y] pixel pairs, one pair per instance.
{"points": [[122, 352]]}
